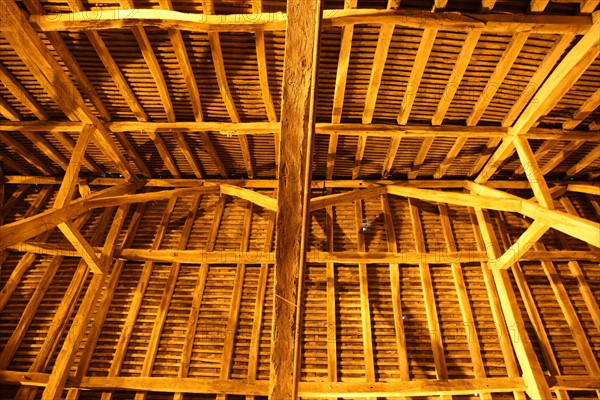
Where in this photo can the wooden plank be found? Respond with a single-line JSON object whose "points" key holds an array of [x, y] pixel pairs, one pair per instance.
{"points": [[433, 324], [417, 70], [537, 387], [365, 309], [297, 135], [570, 69], [392, 246], [136, 301]]}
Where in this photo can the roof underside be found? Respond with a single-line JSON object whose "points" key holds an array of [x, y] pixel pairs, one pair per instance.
{"points": [[409, 287]]}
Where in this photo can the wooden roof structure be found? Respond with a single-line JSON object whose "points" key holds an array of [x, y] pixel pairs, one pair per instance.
{"points": [[251, 199]]}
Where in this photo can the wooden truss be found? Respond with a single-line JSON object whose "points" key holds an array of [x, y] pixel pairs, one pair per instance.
{"points": [[292, 203]]}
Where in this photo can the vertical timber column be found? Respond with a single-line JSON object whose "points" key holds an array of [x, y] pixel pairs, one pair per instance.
{"points": [[296, 141]]}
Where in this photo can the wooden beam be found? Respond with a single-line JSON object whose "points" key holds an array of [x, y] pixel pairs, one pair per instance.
{"points": [[381, 51], [329, 200], [69, 144], [332, 368], [544, 69], [532, 310], [537, 387], [416, 19], [418, 68], [67, 187], [47, 148], [510, 55], [8, 111], [521, 246], [259, 199], [259, 304], [236, 299], [340, 87], [44, 67], [564, 76], [12, 164], [577, 227], [82, 246], [588, 6], [297, 134], [59, 45], [392, 246], [435, 333], [192, 323], [462, 62], [61, 317], [107, 297], [533, 173], [66, 356], [219, 63], [136, 301], [169, 288], [322, 128], [365, 309], [463, 301], [36, 298], [584, 188]]}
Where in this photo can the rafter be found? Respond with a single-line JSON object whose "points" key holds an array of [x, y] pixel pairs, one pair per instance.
{"points": [[15, 87], [340, 87], [24, 152], [504, 65], [381, 51]]}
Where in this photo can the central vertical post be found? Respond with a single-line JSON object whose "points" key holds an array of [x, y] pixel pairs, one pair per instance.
{"points": [[294, 178]]}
